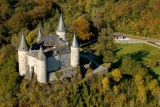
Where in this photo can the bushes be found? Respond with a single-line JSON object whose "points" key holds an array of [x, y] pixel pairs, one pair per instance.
{"points": [[9, 78], [58, 75]]}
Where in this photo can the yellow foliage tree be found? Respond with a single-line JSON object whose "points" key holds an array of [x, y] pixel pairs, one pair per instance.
{"points": [[120, 99], [138, 79], [153, 84], [141, 95], [105, 83], [116, 74], [115, 89], [30, 38], [82, 28]]}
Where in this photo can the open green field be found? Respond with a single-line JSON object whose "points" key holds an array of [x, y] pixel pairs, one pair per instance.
{"points": [[142, 52]]}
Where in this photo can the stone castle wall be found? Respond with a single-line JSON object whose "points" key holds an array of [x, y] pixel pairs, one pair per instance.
{"points": [[22, 59], [31, 64]]}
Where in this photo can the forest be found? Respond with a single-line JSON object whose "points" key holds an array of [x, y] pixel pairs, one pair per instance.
{"points": [[128, 83]]}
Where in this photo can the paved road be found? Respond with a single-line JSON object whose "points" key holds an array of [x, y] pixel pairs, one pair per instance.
{"points": [[131, 40], [90, 58], [99, 68]]}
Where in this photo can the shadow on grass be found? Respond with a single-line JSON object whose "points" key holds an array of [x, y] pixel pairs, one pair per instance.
{"points": [[116, 64], [138, 56], [151, 72], [117, 50]]}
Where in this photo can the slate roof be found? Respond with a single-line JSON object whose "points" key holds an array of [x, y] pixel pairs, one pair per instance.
{"points": [[74, 42], [41, 55], [48, 40], [39, 35], [52, 45], [23, 46], [118, 35], [58, 51], [61, 25]]}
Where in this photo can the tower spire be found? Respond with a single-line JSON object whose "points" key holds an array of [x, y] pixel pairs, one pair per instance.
{"points": [[23, 44], [39, 35], [74, 42], [61, 25], [41, 55]]}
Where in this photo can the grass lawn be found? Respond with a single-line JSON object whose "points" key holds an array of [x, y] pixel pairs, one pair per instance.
{"points": [[142, 52]]}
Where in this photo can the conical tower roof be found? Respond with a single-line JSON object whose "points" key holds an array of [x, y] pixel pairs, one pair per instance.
{"points": [[74, 42], [39, 35], [23, 46], [41, 55], [61, 26]]}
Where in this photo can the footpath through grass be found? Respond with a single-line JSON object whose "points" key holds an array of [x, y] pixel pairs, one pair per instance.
{"points": [[142, 52]]}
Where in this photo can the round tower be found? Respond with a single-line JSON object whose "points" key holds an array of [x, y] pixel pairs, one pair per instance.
{"points": [[22, 56], [61, 30], [74, 52], [41, 67]]}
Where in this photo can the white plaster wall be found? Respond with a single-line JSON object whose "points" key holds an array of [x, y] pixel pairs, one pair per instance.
{"points": [[32, 62], [61, 35], [22, 59], [74, 56], [41, 71]]}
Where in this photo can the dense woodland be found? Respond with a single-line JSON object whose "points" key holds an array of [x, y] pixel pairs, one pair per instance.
{"points": [[128, 84]]}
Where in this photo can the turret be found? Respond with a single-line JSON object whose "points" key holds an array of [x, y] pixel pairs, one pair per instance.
{"points": [[74, 52], [41, 67], [22, 56], [61, 30], [30, 66], [39, 35]]}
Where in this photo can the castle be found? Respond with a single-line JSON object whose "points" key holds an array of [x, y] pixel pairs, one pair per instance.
{"points": [[48, 54]]}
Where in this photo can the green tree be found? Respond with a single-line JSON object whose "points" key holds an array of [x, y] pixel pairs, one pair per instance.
{"points": [[9, 82], [105, 47]]}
